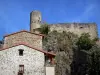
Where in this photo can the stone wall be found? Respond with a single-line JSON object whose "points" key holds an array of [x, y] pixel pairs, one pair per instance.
{"points": [[23, 37], [77, 28], [32, 60], [35, 20]]}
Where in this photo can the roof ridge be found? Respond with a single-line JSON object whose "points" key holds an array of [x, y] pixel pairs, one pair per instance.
{"points": [[41, 50], [22, 31]]}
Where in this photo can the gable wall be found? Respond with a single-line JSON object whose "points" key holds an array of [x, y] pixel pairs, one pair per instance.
{"points": [[32, 60], [28, 38]]}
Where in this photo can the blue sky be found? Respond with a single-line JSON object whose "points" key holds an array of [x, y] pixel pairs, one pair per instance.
{"points": [[15, 14]]}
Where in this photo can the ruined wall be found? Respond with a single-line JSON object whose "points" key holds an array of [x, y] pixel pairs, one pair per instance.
{"points": [[28, 38], [77, 28], [32, 60]]}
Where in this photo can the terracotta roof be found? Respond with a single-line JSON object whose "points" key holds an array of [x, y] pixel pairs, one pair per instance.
{"points": [[23, 31], [43, 51]]}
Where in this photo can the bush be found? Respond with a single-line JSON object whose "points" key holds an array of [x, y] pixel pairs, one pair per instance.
{"points": [[84, 42], [44, 29]]}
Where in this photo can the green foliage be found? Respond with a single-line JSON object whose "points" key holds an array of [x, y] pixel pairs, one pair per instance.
{"points": [[96, 39], [82, 53], [59, 41], [44, 29], [84, 42], [62, 44], [94, 63]]}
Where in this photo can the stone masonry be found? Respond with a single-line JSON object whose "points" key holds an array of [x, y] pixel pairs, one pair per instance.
{"points": [[32, 60], [77, 28], [23, 37]]}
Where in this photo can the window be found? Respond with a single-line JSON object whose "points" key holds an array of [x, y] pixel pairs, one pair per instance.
{"points": [[21, 68], [33, 30], [38, 20], [19, 73], [81, 27], [68, 26], [21, 52]]}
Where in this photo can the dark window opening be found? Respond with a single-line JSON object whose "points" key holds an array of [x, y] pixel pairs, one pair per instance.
{"points": [[20, 73], [21, 68], [21, 52], [61, 49], [67, 26], [47, 60], [38, 20], [81, 27], [33, 30]]}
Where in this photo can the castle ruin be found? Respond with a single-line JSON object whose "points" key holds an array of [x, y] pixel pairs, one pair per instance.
{"points": [[77, 28]]}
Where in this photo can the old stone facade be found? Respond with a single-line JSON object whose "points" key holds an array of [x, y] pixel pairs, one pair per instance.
{"points": [[24, 59], [32, 60], [23, 37]]}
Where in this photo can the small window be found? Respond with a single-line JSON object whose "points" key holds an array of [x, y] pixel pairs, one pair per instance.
{"points": [[21, 52], [81, 27], [20, 73], [21, 68], [68, 26], [38, 20], [33, 30]]}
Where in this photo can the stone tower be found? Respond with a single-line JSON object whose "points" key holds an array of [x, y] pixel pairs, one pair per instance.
{"points": [[35, 21]]}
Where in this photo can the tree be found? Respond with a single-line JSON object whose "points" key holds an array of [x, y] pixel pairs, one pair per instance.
{"points": [[94, 63], [62, 44], [44, 29], [84, 42], [74, 56]]}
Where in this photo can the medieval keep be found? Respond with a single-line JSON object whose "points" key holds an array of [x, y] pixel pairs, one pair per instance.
{"points": [[22, 53]]}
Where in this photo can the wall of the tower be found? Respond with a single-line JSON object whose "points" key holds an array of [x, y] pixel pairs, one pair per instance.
{"points": [[35, 20]]}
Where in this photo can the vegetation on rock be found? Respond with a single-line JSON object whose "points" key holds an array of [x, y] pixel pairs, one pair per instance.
{"points": [[84, 42], [74, 55], [44, 29]]}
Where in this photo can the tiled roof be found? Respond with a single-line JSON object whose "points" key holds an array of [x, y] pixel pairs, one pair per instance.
{"points": [[43, 51], [23, 31]]}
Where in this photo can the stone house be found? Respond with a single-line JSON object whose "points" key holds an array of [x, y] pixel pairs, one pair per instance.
{"points": [[22, 54]]}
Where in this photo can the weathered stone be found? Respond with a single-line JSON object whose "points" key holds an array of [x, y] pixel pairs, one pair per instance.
{"points": [[23, 37], [32, 60]]}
